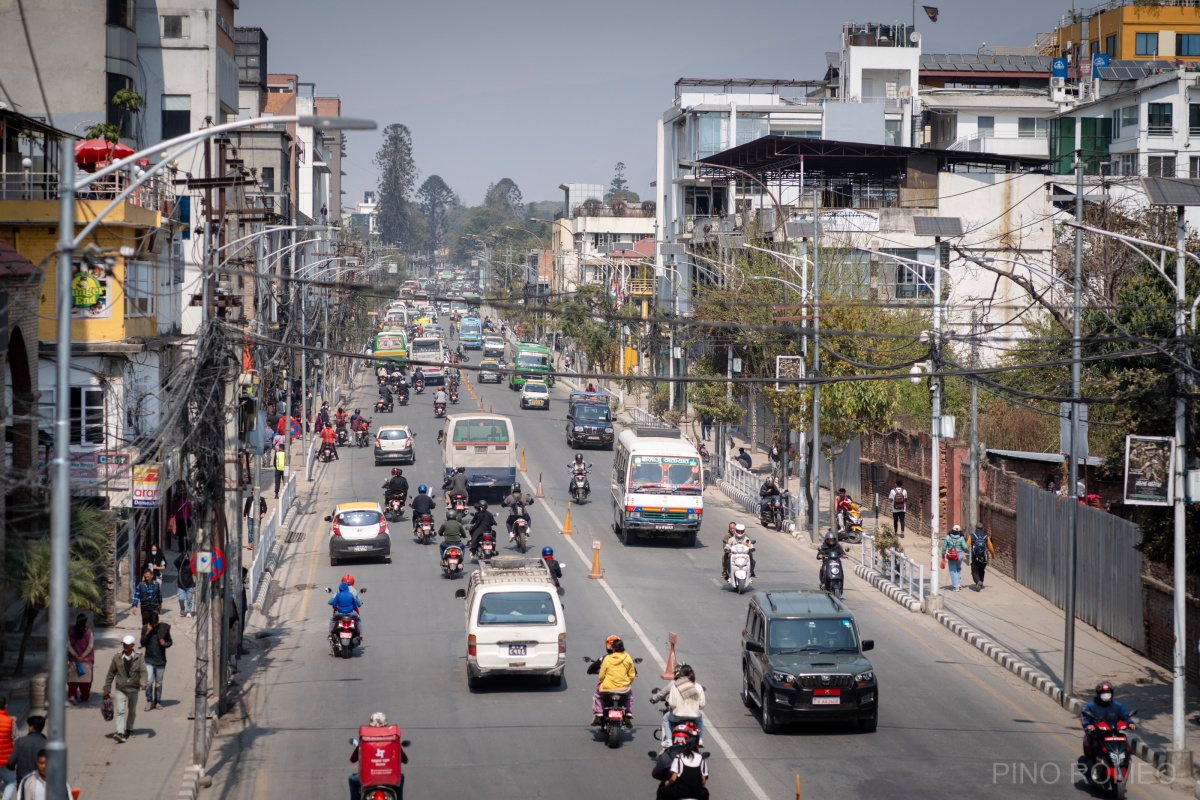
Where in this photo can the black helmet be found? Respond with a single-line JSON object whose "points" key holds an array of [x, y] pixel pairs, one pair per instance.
{"points": [[830, 536], [578, 458], [358, 411], [516, 488], [1102, 688], [481, 505]]}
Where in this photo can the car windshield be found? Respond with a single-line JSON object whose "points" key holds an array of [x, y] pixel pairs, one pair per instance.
{"points": [[395, 433], [812, 636], [516, 608], [665, 475], [587, 413], [489, 364], [359, 519], [536, 388]]}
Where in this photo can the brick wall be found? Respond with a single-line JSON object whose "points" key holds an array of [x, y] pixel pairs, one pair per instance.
{"points": [[1158, 612]]}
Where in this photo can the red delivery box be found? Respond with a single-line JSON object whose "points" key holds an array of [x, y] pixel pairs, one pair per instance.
{"points": [[379, 755]]}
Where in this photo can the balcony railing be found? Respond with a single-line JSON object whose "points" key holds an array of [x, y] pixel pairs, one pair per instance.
{"points": [[155, 194], [632, 210]]}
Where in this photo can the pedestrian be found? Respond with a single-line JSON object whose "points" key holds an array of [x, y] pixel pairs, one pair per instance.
{"points": [[250, 521], [954, 553], [899, 499], [81, 655], [127, 674], [182, 513], [280, 466], [34, 785], [185, 584], [982, 552], [156, 563], [23, 758], [706, 422], [791, 462], [1051, 484], [148, 596], [743, 458], [8, 740], [156, 638]]}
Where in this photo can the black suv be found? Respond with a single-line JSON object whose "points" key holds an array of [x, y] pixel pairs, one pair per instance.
{"points": [[802, 659]]}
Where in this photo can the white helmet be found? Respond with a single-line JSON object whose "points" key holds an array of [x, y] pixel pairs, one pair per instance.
{"points": [[739, 530], [378, 720]]}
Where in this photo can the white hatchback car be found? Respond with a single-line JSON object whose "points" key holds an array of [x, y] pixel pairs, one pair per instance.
{"points": [[535, 394], [395, 443], [358, 530]]}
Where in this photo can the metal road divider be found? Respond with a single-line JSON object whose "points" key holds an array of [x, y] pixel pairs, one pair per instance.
{"points": [[907, 574], [262, 550], [286, 498]]}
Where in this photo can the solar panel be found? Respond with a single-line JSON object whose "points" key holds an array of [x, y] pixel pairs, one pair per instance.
{"points": [[800, 230], [937, 226], [1172, 191], [671, 249]]}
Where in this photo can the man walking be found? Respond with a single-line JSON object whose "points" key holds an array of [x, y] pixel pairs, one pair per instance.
{"points": [[899, 500], [127, 673], [148, 595], [981, 553], [33, 787], [186, 584], [156, 638], [23, 758], [280, 466]]}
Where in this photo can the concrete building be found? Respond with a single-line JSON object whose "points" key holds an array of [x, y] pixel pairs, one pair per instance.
{"points": [[1129, 30], [1012, 122], [584, 232]]}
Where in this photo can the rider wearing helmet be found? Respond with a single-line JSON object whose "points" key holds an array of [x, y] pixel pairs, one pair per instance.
{"points": [[457, 484], [616, 675], [552, 564], [829, 547], [739, 537], [348, 579], [1102, 709], [422, 504], [575, 466], [517, 505], [395, 486], [345, 602], [377, 720], [481, 521]]}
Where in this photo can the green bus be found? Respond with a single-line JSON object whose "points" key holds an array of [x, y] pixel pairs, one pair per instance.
{"points": [[474, 302], [530, 361], [389, 345]]}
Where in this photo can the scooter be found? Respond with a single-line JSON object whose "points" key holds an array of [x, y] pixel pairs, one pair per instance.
{"points": [[739, 567], [419, 386], [363, 436], [377, 787], [343, 436], [383, 406], [345, 636], [520, 533], [458, 507], [612, 715], [850, 528], [325, 454], [402, 396], [424, 531], [454, 396], [831, 575], [580, 488], [394, 507], [1108, 768], [439, 410], [487, 546], [659, 695], [452, 561]]}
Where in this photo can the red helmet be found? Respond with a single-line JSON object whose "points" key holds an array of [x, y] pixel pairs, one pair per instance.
{"points": [[348, 579], [682, 732], [608, 643]]}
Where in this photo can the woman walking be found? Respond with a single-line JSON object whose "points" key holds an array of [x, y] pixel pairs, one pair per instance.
{"points": [[80, 658], [954, 553]]}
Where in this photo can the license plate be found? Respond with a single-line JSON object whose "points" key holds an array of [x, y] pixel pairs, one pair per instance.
{"points": [[593, 438], [616, 715], [360, 549], [662, 527], [826, 701], [481, 448], [516, 650], [452, 561], [346, 636]]}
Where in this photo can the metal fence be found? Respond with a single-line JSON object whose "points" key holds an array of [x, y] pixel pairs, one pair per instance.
{"points": [[744, 486], [262, 549], [287, 497], [907, 574], [1109, 572]]}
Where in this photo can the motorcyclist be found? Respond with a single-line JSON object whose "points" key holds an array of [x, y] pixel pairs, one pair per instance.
{"points": [[766, 493], [482, 521], [385, 394], [739, 537], [418, 375], [830, 547], [841, 506], [354, 418], [451, 532], [329, 439], [339, 422], [395, 486], [615, 674], [325, 414], [459, 351], [576, 466], [345, 602], [684, 698], [1103, 708], [381, 373], [362, 425], [348, 579], [377, 720], [456, 484], [422, 504], [552, 564], [517, 505], [441, 397]]}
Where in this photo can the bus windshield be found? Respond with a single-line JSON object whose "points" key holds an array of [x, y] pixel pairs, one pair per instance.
{"points": [[665, 475], [481, 431], [532, 360], [471, 326], [426, 347]]}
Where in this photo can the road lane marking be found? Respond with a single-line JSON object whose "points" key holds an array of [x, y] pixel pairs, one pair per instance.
{"points": [[709, 727], [302, 614]]}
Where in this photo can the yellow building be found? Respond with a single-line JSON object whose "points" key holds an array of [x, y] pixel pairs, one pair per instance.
{"points": [[1167, 29]]}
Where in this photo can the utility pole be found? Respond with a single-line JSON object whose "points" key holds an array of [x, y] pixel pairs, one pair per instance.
{"points": [[1073, 470], [814, 465], [974, 465], [935, 477]]}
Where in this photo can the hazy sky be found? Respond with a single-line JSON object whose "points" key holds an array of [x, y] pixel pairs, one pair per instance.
{"points": [[558, 92]]}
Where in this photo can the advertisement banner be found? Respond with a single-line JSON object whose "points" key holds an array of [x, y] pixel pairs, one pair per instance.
{"points": [[90, 292], [145, 486], [1148, 477]]}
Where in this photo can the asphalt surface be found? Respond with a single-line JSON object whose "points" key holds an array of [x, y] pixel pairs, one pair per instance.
{"points": [[951, 720]]}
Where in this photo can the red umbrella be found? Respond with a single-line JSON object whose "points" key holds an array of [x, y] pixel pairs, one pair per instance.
{"points": [[93, 151]]}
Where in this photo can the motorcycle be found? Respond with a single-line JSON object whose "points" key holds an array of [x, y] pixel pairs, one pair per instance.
{"points": [[394, 507], [850, 527], [458, 507], [439, 410], [452, 561], [325, 454], [377, 787], [343, 437], [659, 695], [612, 714], [402, 396], [831, 576], [419, 386], [739, 567], [346, 633], [580, 488], [1108, 768], [362, 437], [424, 529], [454, 396], [520, 532], [770, 513], [383, 406], [487, 546]]}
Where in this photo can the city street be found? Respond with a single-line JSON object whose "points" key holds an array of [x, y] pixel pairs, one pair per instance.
{"points": [[951, 720]]}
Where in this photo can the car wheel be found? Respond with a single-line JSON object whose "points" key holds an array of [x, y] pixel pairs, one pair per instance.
{"points": [[690, 540], [868, 725], [747, 699], [770, 724], [333, 562], [556, 680], [473, 682], [631, 537], [378, 463]]}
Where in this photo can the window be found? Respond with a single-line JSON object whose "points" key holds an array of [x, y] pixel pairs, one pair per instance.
{"points": [[1128, 124], [712, 131], [140, 289], [751, 127], [120, 13], [176, 26], [1032, 127], [1160, 166], [912, 280], [798, 133], [891, 131], [1187, 44], [1194, 167], [1194, 119], [1110, 46], [1094, 47], [516, 608], [1146, 44], [1158, 119], [87, 415], [176, 115], [268, 180], [1125, 164], [987, 126]]}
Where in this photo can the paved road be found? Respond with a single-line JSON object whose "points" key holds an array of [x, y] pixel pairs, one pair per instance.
{"points": [[951, 720]]}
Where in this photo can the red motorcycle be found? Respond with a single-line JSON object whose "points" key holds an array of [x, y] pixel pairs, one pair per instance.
{"points": [[1108, 767], [439, 410]]}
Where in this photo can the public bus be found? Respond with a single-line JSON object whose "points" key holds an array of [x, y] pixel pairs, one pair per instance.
{"points": [[390, 344], [486, 446], [470, 333], [531, 361], [657, 486], [429, 350], [395, 318], [474, 301], [458, 306]]}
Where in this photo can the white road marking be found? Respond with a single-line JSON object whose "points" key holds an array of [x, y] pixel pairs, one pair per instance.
{"points": [[709, 728]]}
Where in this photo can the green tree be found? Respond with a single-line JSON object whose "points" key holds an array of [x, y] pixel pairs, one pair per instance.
{"points": [[618, 188], [397, 180], [505, 196], [435, 198]]}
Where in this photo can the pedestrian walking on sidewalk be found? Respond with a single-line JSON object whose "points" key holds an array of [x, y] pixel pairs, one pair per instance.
{"points": [[156, 563], [186, 584], [280, 466], [182, 513], [954, 553], [23, 758], [250, 520], [706, 422], [899, 501], [156, 638], [981, 553], [8, 740], [33, 787], [81, 656], [148, 595], [126, 674]]}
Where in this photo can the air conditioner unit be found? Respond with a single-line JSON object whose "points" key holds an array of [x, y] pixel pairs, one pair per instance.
{"points": [[1058, 83]]}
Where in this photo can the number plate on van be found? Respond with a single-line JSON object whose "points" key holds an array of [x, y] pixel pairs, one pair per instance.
{"points": [[516, 650]]}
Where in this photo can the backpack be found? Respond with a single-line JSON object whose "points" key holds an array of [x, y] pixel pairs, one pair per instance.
{"points": [[899, 499], [979, 550], [951, 551]]}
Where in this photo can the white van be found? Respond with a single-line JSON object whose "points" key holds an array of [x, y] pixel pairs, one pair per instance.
{"points": [[485, 446], [657, 486], [515, 622]]}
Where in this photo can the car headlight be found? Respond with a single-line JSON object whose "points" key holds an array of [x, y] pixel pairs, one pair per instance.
{"points": [[863, 678], [783, 677], [579, 429], [691, 513]]}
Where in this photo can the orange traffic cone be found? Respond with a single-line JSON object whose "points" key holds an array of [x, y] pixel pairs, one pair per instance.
{"points": [[669, 671], [522, 459], [596, 573], [540, 494], [566, 531]]}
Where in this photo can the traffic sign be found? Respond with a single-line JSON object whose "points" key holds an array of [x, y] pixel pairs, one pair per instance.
{"points": [[209, 561], [294, 429]]}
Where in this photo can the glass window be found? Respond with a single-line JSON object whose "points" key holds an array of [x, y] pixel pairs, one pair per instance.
{"points": [[1158, 119], [1129, 121], [1032, 127], [516, 608], [891, 131], [87, 415], [1110, 46], [359, 519], [268, 180], [1125, 164], [987, 126], [751, 126], [394, 433], [588, 413], [1194, 119], [480, 431], [1146, 44], [140, 289], [794, 635], [1194, 167], [1160, 166], [120, 13], [1187, 44], [712, 129], [176, 26], [176, 115]]}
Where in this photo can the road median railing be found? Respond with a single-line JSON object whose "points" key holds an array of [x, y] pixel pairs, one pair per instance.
{"points": [[893, 573], [286, 498], [262, 551]]}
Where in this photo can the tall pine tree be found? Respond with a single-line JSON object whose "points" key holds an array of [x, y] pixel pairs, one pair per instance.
{"points": [[397, 179]]}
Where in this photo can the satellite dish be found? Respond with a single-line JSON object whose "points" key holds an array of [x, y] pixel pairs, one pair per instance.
{"points": [[915, 37]]}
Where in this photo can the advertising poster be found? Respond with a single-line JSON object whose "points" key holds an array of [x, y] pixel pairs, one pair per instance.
{"points": [[91, 292], [1148, 479]]}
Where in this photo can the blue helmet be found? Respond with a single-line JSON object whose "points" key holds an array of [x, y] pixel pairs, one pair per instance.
{"points": [[547, 552], [422, 489]]}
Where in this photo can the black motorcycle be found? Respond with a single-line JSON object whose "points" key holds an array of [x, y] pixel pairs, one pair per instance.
{"points": [[423, 532], [439, 410], [393, 507], [326, 454], [832, 576], [454, 396], [383, 406], [770, 513], [343, 436]]}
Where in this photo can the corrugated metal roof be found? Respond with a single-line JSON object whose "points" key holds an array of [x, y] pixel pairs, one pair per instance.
{"points": [[1048, 458]]}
